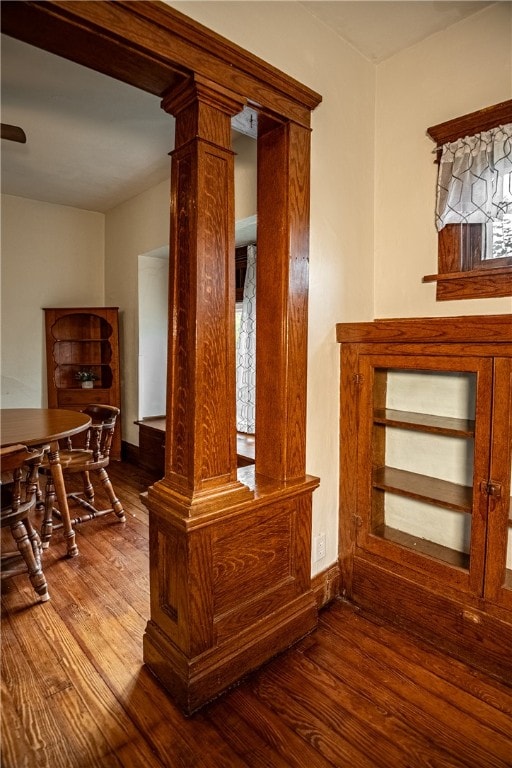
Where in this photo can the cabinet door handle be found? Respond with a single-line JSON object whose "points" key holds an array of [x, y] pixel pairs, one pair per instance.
{"points": [[491, 489], [495, 490]]}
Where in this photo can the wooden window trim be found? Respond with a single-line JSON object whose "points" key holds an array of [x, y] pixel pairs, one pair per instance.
{"points": [[480, 279]]}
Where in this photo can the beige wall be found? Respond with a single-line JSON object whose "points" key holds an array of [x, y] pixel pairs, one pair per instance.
{"points": [[52, 256], [137, 227], [132, 229], [245, 176], [465, 68]]}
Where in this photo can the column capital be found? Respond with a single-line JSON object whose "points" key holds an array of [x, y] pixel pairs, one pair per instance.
{"points": [[198, 89]]}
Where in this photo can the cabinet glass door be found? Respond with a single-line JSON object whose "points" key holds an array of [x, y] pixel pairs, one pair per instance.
{"points": [[498, 580], [428, 420]]}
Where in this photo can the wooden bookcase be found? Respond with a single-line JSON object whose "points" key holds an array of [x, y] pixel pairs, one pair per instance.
{"points": [[83, 338], [425, 507]]}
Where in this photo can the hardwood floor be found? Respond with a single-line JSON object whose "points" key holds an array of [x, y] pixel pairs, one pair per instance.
{"points": [[354, 693]]}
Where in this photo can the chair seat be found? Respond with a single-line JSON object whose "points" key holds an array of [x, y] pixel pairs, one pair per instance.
{"points": [[76, 460], [9, 516]]}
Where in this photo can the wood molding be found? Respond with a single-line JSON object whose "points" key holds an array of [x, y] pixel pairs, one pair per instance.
{"points": [[469, 328], [474, 122], [488, 284], [193, 683], [153, 47], [326, 585], [472, 635]]}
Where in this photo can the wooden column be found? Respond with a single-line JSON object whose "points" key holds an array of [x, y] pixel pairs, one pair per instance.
{"points": [[282, 296], [200, 463], [229, 560]]}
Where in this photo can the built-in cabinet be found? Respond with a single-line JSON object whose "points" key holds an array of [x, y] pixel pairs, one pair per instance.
{"points": [[78, 340], [426, 449]]}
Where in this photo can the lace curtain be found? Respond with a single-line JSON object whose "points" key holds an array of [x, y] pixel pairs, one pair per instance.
{"points": [[246, 351], [475, 178]]}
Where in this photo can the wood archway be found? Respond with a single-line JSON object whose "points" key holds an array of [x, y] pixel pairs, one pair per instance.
{"points": [[229, 549]]}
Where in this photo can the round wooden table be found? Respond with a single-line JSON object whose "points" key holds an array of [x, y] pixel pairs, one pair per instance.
{"points": [[41, 426]]}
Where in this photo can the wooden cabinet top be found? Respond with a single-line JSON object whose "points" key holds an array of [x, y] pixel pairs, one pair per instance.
{"points": [[471, 328], [80, 309]]}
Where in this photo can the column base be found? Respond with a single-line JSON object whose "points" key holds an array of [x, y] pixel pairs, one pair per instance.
{"points": [[207, 502], [230, 588], [192, 683]]}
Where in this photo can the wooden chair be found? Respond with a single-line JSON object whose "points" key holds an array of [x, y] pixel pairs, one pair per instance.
{"points": [[19, 483], [90, 459]]}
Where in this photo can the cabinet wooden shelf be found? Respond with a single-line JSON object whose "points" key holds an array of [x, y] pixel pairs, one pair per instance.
{"points": [[77, 339], [424, 488], [425, 422], [428, 548], [425, 479]]}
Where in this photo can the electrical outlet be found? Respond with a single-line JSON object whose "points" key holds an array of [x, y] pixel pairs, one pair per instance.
{"points": [[319, 547]]}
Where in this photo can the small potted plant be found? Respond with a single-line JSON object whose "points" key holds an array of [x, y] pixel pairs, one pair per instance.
{"points": [[86, 378]]}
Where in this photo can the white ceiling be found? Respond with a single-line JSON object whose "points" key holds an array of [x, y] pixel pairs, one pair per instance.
{"points": [[379, 29], [94, 142]]}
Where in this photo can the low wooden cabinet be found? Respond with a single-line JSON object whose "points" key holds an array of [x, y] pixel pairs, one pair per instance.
{"points": [[152, 446], [83, 339], [426, 448]]}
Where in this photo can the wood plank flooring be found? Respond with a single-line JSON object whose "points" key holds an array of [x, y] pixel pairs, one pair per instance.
{"points": [[356, 692]]}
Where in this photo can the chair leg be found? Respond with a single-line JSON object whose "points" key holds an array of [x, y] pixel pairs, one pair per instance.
{"points": [[47, 524], [33, 563], [34, 538], [39, 496], [116, 504], [88, 488]]}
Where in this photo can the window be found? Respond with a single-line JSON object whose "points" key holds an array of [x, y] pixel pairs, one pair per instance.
{"points": [[246, 349], [474, 204]]}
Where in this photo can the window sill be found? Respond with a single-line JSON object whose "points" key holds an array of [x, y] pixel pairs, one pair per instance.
{"points": [[476, 284]]}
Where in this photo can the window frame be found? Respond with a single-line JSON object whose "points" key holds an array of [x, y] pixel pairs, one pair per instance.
{"points": [[481, 280]]}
